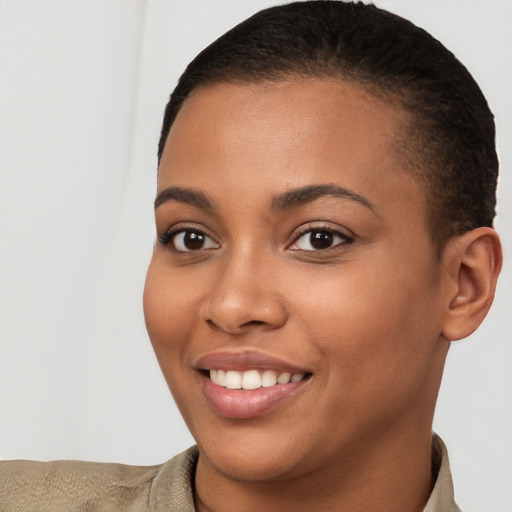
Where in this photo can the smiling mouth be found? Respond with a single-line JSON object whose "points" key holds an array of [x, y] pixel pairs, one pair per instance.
{"points": [[249, 392], [253, 379]]}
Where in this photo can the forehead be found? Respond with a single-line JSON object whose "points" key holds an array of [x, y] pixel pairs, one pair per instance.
{"points": [[286, 114], [286, 134]]}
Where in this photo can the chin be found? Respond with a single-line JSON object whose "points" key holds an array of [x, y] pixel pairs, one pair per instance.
{"points": [[249, 463]]}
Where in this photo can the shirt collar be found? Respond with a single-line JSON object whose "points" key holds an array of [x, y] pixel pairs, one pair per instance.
{"points": [[442, 497]]}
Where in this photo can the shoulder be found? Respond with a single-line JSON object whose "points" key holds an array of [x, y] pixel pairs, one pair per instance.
{"points": [[73, 485]]}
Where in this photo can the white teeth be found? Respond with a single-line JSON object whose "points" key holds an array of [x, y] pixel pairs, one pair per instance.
{"points": [[284, 378], [218, 376], [221, 378], [233, 380], [252, 379], [268, 378]]}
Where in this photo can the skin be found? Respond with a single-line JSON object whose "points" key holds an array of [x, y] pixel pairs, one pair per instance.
{"points": [[370, 317]]}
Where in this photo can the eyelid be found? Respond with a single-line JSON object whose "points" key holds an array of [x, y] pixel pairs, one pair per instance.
{"points": [[167, 237], [310, 227]]}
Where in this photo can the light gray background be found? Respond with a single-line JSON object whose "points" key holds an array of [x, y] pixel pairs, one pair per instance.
{"points": [[83, 84]]}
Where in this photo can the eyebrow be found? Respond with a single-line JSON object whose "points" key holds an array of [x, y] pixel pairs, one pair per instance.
{"points": [[304, 195], [285, 201], [184, 196]]}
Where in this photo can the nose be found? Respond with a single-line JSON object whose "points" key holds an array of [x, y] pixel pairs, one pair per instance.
{"points": [[245, 296]]}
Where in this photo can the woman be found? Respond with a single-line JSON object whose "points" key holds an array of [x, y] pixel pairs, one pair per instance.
{"points": [[309, 275]]}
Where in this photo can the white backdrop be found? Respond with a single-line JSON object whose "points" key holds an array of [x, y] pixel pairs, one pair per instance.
{"points": [[83, 84]]}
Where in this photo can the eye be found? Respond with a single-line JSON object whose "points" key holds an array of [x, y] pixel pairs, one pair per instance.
{"points": [[188, 240], [320, 239]]}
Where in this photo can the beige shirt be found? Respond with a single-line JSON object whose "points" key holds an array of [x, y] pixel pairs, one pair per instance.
{"points": [[71, 486]]}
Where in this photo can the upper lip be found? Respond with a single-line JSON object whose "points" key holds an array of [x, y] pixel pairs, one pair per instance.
{"points": [[245, 360]]}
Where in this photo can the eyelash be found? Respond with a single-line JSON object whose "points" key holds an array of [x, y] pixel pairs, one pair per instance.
{"points": [[168, 239], [309, 229]]}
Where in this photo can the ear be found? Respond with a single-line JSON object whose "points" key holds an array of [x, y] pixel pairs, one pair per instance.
{"points": [[473, 261]]}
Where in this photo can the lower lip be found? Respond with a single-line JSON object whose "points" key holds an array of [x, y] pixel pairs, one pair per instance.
{"points": [[248, 403]]}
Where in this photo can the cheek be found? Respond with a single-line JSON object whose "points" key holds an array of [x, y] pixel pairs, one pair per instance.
{"points": [[372, 328], [167, 313], [169, 318]]}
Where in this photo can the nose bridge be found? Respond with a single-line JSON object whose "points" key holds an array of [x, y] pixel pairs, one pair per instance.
{"points": [[244, 293]]}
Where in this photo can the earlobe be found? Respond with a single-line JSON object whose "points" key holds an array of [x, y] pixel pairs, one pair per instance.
{"points": [[474, 262]]}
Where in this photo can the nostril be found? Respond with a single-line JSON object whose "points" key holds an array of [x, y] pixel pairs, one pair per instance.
{"points": [[212, 324], [235, 328], [253, 322]]}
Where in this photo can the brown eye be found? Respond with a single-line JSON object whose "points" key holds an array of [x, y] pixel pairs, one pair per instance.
{"points": [[320, 240], [192, 240]]}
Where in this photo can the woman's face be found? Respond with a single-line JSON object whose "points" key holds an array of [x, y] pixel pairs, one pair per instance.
{"points": [[292, 247]]}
